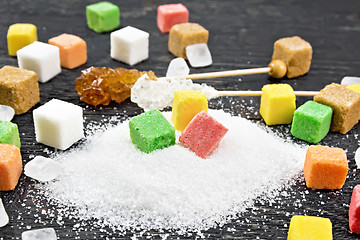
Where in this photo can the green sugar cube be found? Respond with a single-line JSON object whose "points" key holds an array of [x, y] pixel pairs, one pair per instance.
{"points": [[311, 122], [103, 16], [9, 133], [150, 131]]}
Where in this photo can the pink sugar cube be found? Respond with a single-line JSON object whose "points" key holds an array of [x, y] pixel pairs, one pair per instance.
{"points": [[354, 210], [170, 14], [203, 134]]}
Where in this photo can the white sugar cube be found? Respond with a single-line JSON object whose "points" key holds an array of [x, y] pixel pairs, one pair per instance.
{"points": [[177, 67], [129, 45], [199, 55], [4, 218], [350, 80], [39, 234], [42, 169], [58, 124], [6, 113], [42, 58]]}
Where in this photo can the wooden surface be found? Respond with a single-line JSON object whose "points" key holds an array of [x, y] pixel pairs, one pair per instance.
{"points": [[242, 34]]}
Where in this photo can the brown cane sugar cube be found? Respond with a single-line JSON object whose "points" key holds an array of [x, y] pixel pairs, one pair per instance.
{"points": [[19, 88], [345, 104], [185, 34], [296, 53]]}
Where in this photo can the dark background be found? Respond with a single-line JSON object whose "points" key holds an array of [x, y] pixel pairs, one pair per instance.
{"points": [[242, 34]]}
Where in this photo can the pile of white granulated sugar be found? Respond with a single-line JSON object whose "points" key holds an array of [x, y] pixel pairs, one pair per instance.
{"points": [[109, 180]]}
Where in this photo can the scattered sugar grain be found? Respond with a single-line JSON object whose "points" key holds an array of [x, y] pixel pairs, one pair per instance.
{"points": [[108, 179]]}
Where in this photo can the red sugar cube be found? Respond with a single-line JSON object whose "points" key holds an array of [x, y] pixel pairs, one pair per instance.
{"points": [[170, 14], [203, 134], [354, 210]]}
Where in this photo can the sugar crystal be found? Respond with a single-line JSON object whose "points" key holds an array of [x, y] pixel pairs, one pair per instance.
{"points": [[4, 218], [357, 157], [39, 234], [177, 67], [199, 55], [6, 113], [350, 80], [42, 169]]}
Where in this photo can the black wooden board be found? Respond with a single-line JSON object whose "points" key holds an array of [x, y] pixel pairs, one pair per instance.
{"points": [[242, 34]]}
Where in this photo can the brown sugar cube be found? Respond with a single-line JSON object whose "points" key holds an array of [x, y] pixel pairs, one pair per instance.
{"points": [[345, 104], [185, 34], [296, 53], [19, 88], [325, 167]]}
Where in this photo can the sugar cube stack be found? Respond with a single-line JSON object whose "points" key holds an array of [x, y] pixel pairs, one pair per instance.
{"points": [[19, 88], [42, 58], [129, 45], [198, 55], [203, 134], [354, 210], [58, 124], [325, 167], [10, 166], [278, 103], [39, 234], [19, 35], [185, 34], [9, 133], [311, 122], [72, 50], [296, 53], [186, 104], [345, 104], [4, 218], [150, 131], [169, 15], [310, 228], [103, 16]]}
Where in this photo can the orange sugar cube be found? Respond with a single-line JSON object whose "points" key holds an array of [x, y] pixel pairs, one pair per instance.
{"points": [[10, 166], [72, 50], [325, 167]]}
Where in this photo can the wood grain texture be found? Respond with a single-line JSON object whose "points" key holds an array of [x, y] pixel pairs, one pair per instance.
{"points": [[242, 34]]}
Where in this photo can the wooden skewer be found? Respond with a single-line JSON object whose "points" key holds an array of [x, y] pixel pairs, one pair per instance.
{"points": [[259, 93], [222, 73], [276, 69]]}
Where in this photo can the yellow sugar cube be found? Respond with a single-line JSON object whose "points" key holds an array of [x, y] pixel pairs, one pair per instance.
{"points": [[186, 104], [277, 104], [20, 35], [310, 228], [356, 88]]}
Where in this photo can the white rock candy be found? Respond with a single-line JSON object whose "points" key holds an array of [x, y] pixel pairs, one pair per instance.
{"points": [[177, 67], [39, 234], [199, 55], [43, 169], [357, 157], [350, 80], [6, 113], [4, 218], [149, 94]]}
